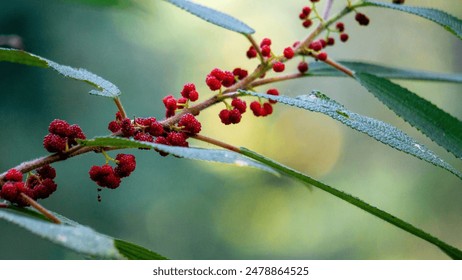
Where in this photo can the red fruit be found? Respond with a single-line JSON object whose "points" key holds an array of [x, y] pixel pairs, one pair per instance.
{"points": [[240, 73], [323, 43], [193, 96], [340, 26], [128, 129], [59, 127], [267, 109], [142, 136], [256, 108], [224, 116], [170, 103], [181, 102], [104, 176], [169, 113], [266, 51], [126, 165], [44, 189], [330, 41], [212, 82], [235, 116], [315, 46], [187, 88], [13, 175], [46, 172], [112, 181], [302, 16], [362, 19], [190, 124], [288, 53], [228, 79], [218, 73], [10, 191], [322, 56], [265, 42], [54, 143], [177, 139], [75, 132], [398, 2], [278, 66], [251, 52], [314, 1], [307, 23], [273, 91], [156, 129], [302, 67], [114, 126], [239, 104], [344, 37], [306, 10]]}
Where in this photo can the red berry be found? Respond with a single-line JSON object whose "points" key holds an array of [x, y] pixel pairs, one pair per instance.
{"points": [[398, 2], [224, 116], [112, 181], [75, 132], [114, 126], [193, 96], [44, 189], [156, 129], [235, 116], [54, 143], [128, 129], [323, 43], [302, 67], [104, 176], [256, 108], [59, 127], [306, 10], [340, 26], [239, 104], [289, 53], [251, 53], [314, 1], [187, 88], [344, 37], [218, 73], [170, 103], [228, 79], [142, 136], [190, 124], [307, 23], [274, 92], [322, 56], [177, 139], [13, 175], [213, 83], [240, 73], [330, 41], [125, 166], [46, 172], [163, 141], [266, 51], [315, 46], [265, 42], [302, 16], [169, 113], [362, 19], [267, 109], [278, 66], [10, 191]]}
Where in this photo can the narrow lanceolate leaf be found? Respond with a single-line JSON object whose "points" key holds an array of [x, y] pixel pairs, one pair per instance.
{"points": [[380, 131], [213, 155], [134, 252], [438, 125], [451, 251], [103, 87], [322, 69], [449, 22], [213, 16], [78, 238]]}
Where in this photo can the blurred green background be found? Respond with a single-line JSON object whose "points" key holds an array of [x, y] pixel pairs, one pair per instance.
{"points": [[192, 210]]}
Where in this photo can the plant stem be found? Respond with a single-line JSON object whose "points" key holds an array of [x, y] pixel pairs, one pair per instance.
{"points": [[120, 107], [217, 143], [40, 208], [277, 79]]}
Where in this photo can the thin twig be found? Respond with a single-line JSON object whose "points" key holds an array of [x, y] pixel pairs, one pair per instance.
{"points": [[217, 143], [40, 208]]}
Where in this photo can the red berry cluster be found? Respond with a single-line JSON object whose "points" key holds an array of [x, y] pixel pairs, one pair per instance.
{"points": [[234, 115], [341, 29], [39, 185], [317, 46], [217, 78], [109, 177], [62, 136], [264, 109], [304, 16]]}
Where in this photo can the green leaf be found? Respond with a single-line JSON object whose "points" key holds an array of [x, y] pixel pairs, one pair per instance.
{"points": [[451, 251], [449, 22], [103, 87], [105, 3], [380, 131], [76, 237], [134, 252], [213, 16], [322, 69], [213, 155], [438, 125]]}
